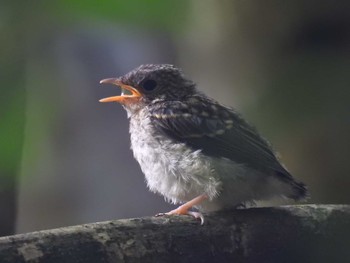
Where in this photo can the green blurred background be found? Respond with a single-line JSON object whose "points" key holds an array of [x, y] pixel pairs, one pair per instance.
{"points": [[65, 158]]}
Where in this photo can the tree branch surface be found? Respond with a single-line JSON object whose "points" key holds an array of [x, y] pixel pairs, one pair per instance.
{"points": [[300, 233]]}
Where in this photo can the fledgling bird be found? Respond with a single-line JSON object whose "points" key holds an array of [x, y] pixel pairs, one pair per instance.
{"points": [[195, 151]]}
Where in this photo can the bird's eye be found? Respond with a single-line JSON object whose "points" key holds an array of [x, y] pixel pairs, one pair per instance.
{"points": [[149, 84]]}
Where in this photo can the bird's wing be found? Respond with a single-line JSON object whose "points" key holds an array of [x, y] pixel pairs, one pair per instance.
{"points": [[216, 130]]}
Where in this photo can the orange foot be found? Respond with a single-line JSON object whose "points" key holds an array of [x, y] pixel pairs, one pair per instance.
{"points": [[184, 209]]}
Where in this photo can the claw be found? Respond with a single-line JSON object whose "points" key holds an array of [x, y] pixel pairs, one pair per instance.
{"points": [[196, 215], [184, 209], [160, 214]]}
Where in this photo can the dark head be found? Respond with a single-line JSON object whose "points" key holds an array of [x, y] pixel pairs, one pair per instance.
{"points": [[148, 83]]}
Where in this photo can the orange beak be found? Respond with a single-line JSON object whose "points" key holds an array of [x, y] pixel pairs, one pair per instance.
{"points": [[135, 94]]}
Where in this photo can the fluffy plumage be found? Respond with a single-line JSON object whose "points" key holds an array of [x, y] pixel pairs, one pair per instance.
{"points": [[188, 145]]}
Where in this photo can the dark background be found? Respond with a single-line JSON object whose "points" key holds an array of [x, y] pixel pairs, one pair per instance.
{"points": [[66, 157]]}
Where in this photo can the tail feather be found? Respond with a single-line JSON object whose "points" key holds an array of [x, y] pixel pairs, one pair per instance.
{"points": [[299, 189]]}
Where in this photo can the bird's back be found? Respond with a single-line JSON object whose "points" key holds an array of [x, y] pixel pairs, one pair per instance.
{"points": [[220, 132]]}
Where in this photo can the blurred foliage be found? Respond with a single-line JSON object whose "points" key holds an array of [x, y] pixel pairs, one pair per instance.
{"points": [[11, 133], [12, 103], [162, 14], [12, 108], [20, 36]]}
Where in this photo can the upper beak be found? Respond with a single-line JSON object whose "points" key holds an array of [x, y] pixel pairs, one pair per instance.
{"points": [[134, 92]]}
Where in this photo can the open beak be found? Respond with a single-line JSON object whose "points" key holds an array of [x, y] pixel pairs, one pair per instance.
{"points": [[123, 97]]}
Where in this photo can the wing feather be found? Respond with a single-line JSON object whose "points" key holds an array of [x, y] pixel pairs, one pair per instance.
{"points": [[217, 130]]}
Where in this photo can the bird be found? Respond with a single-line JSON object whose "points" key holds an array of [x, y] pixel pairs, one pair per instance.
{"points": [[194, 151]]}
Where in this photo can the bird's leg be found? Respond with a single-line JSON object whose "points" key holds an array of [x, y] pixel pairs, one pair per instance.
{"points": [[184, 209]]}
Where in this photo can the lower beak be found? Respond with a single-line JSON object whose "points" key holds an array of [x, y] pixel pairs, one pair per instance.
{"points": [[122, 98]]}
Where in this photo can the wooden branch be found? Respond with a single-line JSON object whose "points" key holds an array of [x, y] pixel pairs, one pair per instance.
{"points": [[302, 233]]}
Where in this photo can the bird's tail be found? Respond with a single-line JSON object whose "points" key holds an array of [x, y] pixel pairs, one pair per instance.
{"points": [[299, 190]]}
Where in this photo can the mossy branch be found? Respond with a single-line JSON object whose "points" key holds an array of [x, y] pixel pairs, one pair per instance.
{"points": [[300, 233]]}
